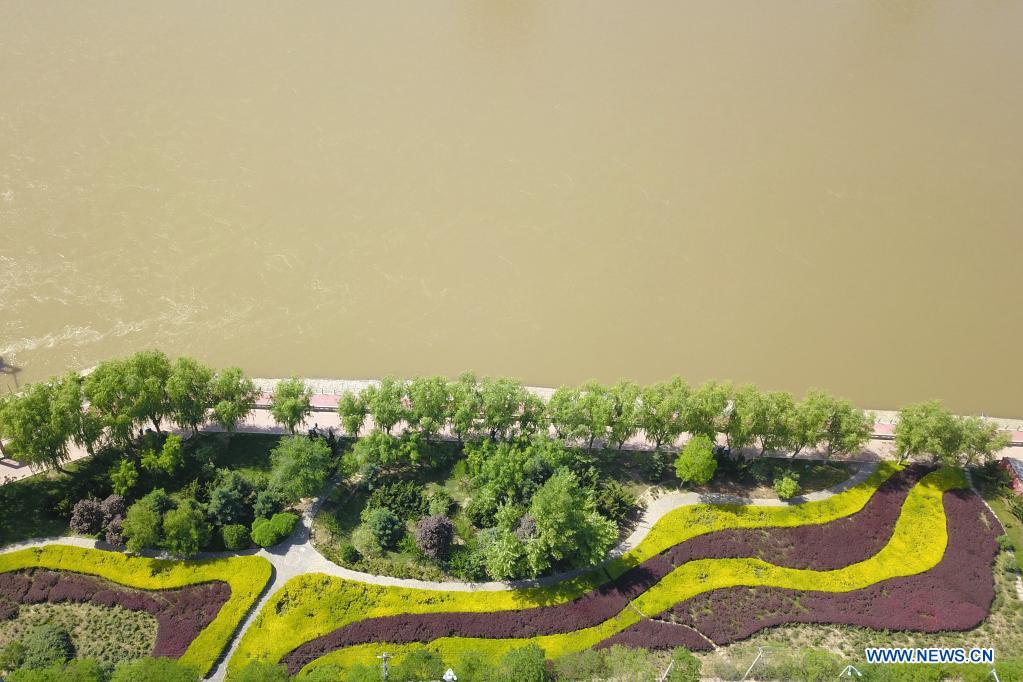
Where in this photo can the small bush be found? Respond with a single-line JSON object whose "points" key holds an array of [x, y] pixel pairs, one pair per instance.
{"points": [[236, 536], [482, 509], [434, 535], [115, 532], [467, 565], [268, 502], [269, 532], [786, 487], [526, 664], [365, 542], [348, 554], [441, 502], [421, 664], [1015, 505], [47, 645], [696, 462], [113, 505], [87, 517], [384, 524], [615, 501]]}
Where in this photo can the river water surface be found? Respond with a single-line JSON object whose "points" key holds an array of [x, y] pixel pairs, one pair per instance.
{"points": [[793, 193]]}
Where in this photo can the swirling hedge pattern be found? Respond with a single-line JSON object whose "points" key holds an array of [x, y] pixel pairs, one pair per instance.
{"points": [[180, 614], [954, 595], [896, 537], [245, 578], [312, 605], [818, 547]]}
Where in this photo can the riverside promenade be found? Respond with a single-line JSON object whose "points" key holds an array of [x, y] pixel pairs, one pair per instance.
{"points": [[327, 393]]}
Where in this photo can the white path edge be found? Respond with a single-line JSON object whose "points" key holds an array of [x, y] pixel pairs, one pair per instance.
{"points": [[297, 555]]}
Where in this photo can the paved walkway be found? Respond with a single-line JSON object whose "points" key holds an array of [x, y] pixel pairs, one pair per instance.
{"points": [[297, 555]]}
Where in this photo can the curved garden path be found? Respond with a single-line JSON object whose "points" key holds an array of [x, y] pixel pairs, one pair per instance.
{"points": [[297, 555]]}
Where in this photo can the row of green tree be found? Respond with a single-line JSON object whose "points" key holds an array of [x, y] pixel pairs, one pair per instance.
{"points": [[120, 398]]}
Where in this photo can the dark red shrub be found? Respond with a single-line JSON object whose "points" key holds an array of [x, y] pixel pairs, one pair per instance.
{"points": [[115, 532], [113, 506], [434, 535], [658, 634], [87, 517]]}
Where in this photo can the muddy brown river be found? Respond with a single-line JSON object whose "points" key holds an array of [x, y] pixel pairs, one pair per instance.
{"points": [[798, 194]]}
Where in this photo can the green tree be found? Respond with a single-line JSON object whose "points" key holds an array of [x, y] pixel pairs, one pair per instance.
{"points": [[290, 403], [568, 528], [190, 392], [168, 460], [706, 409], [597, 407], [154, 670], [848, 429], [465, 405], [661, 410], [352, 410], [428, 405], [773, 421], [127, 393], [742, 424], [385, 403], [565, 411], [227, 499], [233, 396], [149, 371], [928, 428], [624, 418], [143, 522], [81, 422], [185, 530], [532, 416], [300, 466], [696, 462], [809, 420], [37, 432], [501, 401], [504, 556], [123, 477]]}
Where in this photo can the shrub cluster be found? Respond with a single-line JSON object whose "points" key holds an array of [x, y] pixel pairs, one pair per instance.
{"points": [[269, 532]]}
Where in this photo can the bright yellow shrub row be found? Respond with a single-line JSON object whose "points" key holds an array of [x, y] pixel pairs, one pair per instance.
{"points": [[314, 604], [917, 544], [247, 577]]}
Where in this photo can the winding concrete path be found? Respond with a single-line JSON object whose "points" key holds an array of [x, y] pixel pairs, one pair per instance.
{"points": [[297, 555]]}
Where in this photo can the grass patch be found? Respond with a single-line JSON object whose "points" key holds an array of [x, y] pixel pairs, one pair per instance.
{"points": [[107, 634], [246, 575]]}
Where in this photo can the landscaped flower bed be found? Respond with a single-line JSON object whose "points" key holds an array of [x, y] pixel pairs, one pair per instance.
{"points": [[244, 576], [954, 595], [495, 621], [180, 614], [861, 534]]}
